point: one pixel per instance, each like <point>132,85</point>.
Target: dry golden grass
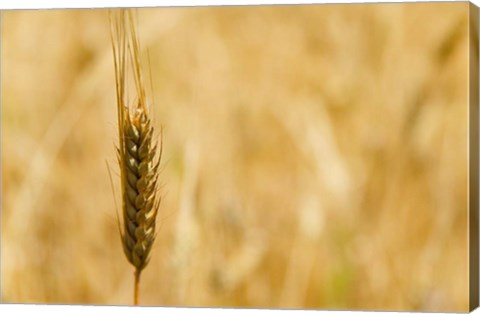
<point>315,157</point>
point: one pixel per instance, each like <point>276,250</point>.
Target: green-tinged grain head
<point>138,153</point>
<point>140,201</point>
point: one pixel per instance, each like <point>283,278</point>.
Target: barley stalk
<point>137,149</point>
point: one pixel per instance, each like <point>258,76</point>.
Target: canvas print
<point>283,157</point>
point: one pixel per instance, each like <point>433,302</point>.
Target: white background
<point>43,4</point>
<point>40,4</point>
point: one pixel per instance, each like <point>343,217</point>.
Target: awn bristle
<point>137,149</point>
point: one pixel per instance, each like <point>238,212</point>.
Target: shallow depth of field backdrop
<point>314,157</point>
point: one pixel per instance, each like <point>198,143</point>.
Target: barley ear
<point>138,154</point>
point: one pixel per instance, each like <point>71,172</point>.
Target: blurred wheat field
<point>314,157</point>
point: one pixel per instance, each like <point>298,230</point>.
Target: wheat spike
<point>137,150</point>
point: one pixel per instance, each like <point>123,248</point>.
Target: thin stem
<point>135,288</point>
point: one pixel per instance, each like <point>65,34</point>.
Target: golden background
<point>314,157</point>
